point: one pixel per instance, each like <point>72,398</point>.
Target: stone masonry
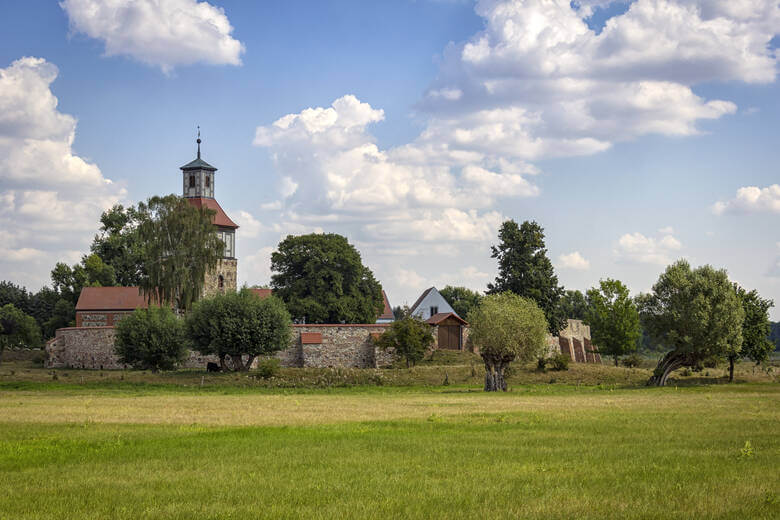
<point>310,346</point>
<point>228,269</point>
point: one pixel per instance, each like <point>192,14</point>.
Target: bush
<point>268,368</point>
<point>541,364</point>
<point>632,361</point>
<point>559,362</point>
<point>151,339</point>
<point>409,338</point>
<point>239,325</point>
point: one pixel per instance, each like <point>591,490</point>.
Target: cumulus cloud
<point>574,261</point>
<point>538,82</point>
<point>250,226</point>
<point>751,199</point>
<point>163,34</point>
<point>50,198</point>
<point>332,169</point>
<point>638,248</point>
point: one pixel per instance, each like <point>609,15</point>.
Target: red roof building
<point>105,306</point>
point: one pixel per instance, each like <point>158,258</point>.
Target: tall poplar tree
<point>756,329</point>
<point>179,246</point>
<point>524,269</point>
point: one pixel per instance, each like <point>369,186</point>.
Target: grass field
<point>131,449</point>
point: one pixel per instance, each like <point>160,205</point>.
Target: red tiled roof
<point>262,293</point>
<point>110,298</point>
<point>220,219</point>
<point>440,317</point>
<point>387,314</point>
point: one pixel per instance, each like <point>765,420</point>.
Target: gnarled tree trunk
<point>494,372</point>
<point>668,364</point>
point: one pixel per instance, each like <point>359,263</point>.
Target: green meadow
<point>128,450</point>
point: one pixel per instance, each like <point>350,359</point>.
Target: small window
<point>434,310</point>
<point>221,282</point>
<point>192,181</point>
<point>208,181</point>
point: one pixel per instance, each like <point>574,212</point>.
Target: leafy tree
<point>321,279</point>
<point>151,339</point>
<point>756,328</point>
<point>409,337</point>
<point>401,312</point>
<point>774,336</point>
<point>17,329</point>
<point>15,295</point>
<point>524,269</point>
<point>613,319</point>
<point>461,299</point>
<point>506,327</point>
<point>41,305</point>
<point>63,315</point>
<point>573,305</point>
<point>696,313</point>
<point>91,272</point>
<point>119,244</point>
<point>179,247</point>
<point>239,325</point>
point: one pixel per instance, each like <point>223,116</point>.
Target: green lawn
<point>544,451</point>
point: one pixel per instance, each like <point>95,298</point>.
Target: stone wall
<point>574,342</point>
<point>228,269</point>
<point>99,318</point>
<point>339,346</point>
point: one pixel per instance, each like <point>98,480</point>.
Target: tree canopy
<point>506,327</point>
<point>461,299</point>
<point>119,244</point>
<point>613,319</point>
<point>321,279</point>
<point>524,269</point>
<point>239,325</point>
<point>17,329</point>
<point>694,312</point>
<point>179,248</point>
<point>756,328</point>
<point>151,339</point>
<point>409,338</point>
<point>573,305</point>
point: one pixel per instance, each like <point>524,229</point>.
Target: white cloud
<point>410,279</point>
<point>51,199</point>
<point>250,226</point>
<point>538,82</point>
<point>574,261</point>
<point>255,268</point>
<point>160,33</point>
<point>638,248</point>
<point>751,199</point>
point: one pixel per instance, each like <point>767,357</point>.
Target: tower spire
<point>198,141</point>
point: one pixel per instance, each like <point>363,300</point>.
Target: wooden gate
<point>449,337</point>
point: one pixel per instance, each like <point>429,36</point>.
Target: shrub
<point>541,364</point>
<point>632,361</point>
<point>17,329</point>
<point>151,339</point>
<point>268,368</point>
<point>559,362</point>
<point>409,338</point>
<point>239,325</point>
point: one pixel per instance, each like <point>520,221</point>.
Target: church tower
<point>198,188</point>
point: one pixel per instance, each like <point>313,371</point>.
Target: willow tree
<point>179,246</point>
<point>505,328</point>
<point>695,312</point>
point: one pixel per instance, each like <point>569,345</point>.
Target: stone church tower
<point>198,188</point>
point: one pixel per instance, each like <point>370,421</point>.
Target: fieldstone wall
<point>574,342</point>
<point>341,346</point>
<point>228,269</point>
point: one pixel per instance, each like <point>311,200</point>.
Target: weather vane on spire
<point>198,141</point>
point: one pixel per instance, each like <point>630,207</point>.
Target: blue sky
<point>632,141</point>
